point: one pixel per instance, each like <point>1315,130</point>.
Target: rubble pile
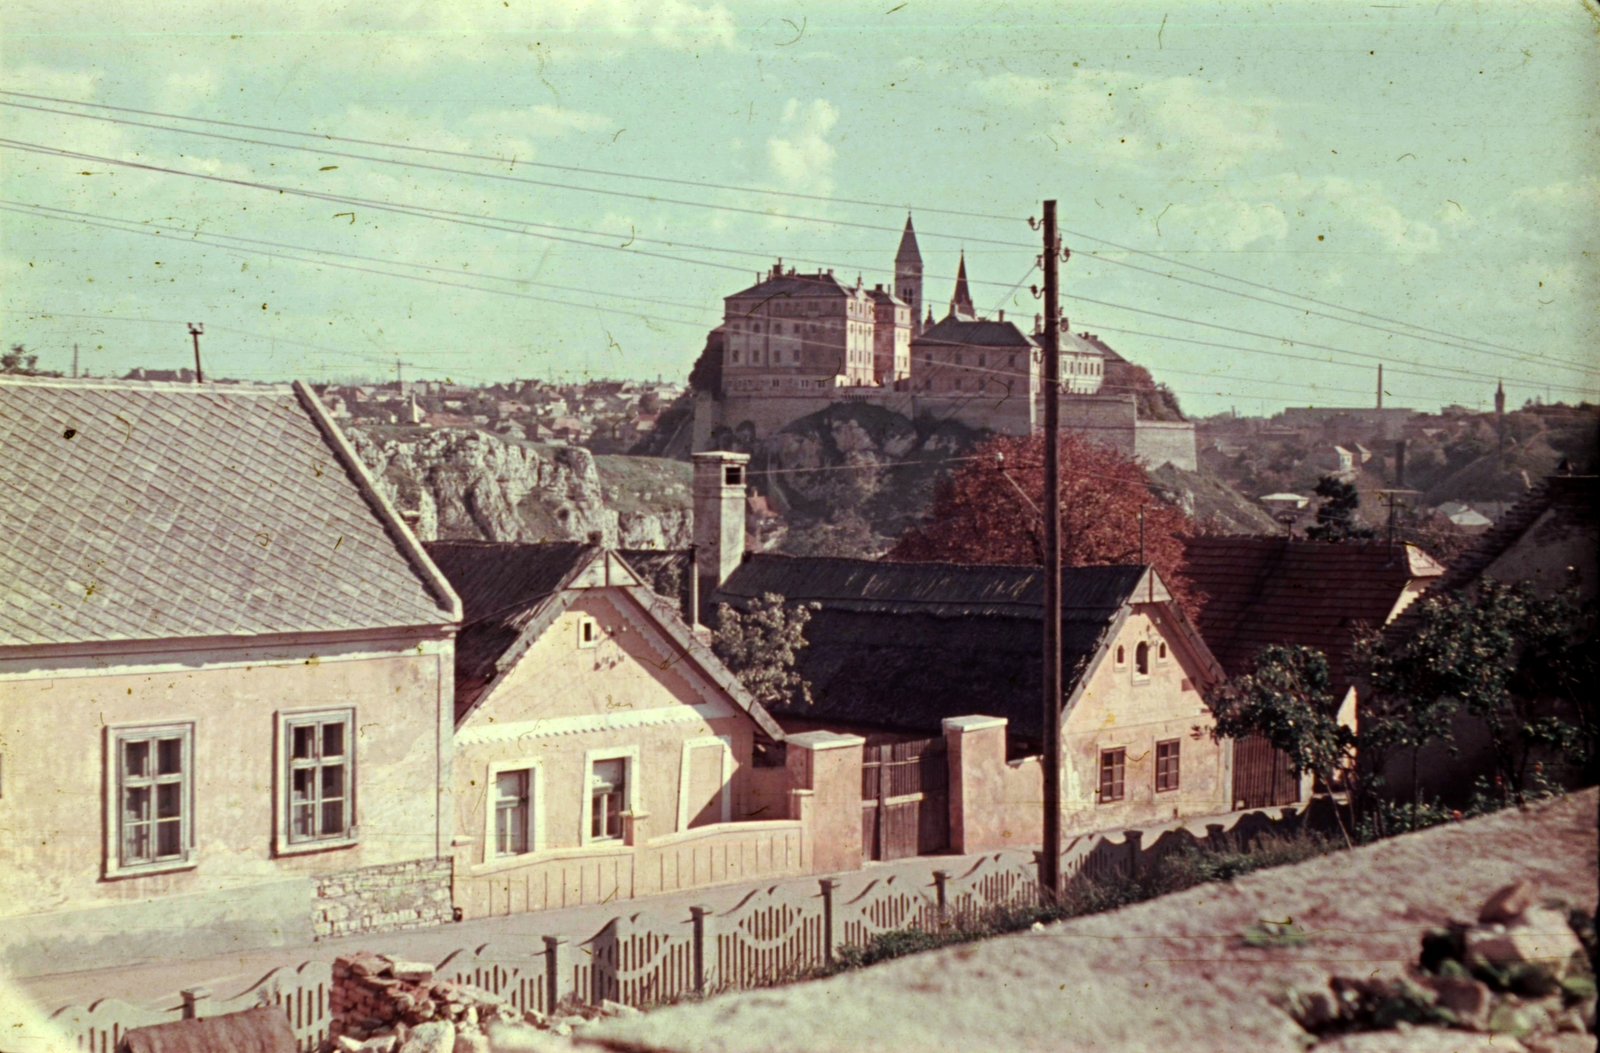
<point>384,1004</point>
<point>1523,969</point>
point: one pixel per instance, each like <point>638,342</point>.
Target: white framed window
<point>705,782</point>
<point>514,819</point>
<point>150,792</point>
<point>1141,661</point>
<point>316,766</point>
<point>588,631</point>
<point>610,788</point>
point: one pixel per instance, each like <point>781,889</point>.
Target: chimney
<point>719,507</point>
<point>1002,315</point>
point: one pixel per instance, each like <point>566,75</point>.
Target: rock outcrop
<point>469,484</point>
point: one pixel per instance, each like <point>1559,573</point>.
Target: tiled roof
<point>980,332</point>
<point>1572,497</point>
<point>791,285</point>
<point>513,592</point>
<point>504,587</point>
<point>907,644</point>
<point>1264,591</point>
<point>147,511</point>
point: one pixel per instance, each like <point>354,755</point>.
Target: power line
<point>439,214</point>
<point>1455,342</point>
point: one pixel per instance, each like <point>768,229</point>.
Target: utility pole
<point>1050,860</point>
<point>1380,385</point>
<point>74,360</point>
<point>195,329</point>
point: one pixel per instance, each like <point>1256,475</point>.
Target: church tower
<point>908,276</point>
<point>961,303</point>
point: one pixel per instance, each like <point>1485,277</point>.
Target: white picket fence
<point>647,957</point>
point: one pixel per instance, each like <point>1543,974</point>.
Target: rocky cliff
<point>471,484</point>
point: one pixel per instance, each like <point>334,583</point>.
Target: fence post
<point>195,1001</point>
<point>1135,837</point>
<point>558,982</point>
<point>939,879</point>
<point>1038,882</point>
<point>699,945</point>
<point>829,935</point>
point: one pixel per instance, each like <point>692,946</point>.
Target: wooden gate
<point>1262,777</point>
<point>905,799</point>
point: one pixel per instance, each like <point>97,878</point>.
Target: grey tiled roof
<point>144,511</point>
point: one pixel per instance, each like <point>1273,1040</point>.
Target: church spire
<point>908,245</point>
<point>961,302</point>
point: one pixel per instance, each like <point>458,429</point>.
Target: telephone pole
<point>1050,859</point>
<point>74,360</point>
<point>195,329</point>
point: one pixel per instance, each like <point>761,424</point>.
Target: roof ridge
<point>394,526</point>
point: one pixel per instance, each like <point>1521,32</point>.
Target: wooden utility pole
<point>195,329</point>
<point>74,359</point>
<point>1050,860</point>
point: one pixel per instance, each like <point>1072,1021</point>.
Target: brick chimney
<point>719,507</point>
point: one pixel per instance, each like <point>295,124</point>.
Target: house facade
<point>601,751</point>
<point>904,650</point>
<point>225,680</point>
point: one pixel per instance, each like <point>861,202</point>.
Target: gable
<point>632,674</point>
<point>1114,694</point>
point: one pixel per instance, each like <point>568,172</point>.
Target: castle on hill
<point>792,344</point>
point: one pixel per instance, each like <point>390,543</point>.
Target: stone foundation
<point>386,898</point>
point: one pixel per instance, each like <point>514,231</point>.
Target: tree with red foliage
<point>988,511</point>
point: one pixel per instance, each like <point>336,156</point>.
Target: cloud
<point>1122,119</point>
<point>801,158</point>
<point>1289,207</point>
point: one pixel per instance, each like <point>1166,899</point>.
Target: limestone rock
<point>437,1036</point>
<point>1468,999</point>
<point>471,1040</point>
<point>1507,904</point>
<point>414,972</point>
<point>610,1008</point>
<point>1538,936</point>
<point>349,1044</point>
<point>380,1044</point>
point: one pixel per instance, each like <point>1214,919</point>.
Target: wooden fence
<point>773,934</point>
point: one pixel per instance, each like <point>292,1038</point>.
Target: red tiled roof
<point>1264,591</point>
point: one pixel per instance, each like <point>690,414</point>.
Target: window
<point>607,798</point>
<point>512,812</point>
<point>1113,765</point>
<point>318,766</point>
<point>1122,656</point>
<point>1161,652</point>
<point>1141,659</point>
<point>1167,765</point>
<point>588,631</point>
<point>154,797</point>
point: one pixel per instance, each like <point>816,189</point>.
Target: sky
<point>1262,200</point>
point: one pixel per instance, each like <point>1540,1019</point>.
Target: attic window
<point>733,475</point>
<point>588,632</point>
<point>1161,652</point>
<point>1122,656</point>
<point>1141,659</point>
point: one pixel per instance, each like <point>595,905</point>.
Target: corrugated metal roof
<point>143,511</point>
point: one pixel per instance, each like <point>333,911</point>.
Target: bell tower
<point>908,275</point>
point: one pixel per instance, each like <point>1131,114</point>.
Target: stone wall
<point>1159,442</point>
<point>388,898</point>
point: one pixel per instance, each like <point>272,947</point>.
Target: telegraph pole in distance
<point>1050,860</point>
<point>195,329</point>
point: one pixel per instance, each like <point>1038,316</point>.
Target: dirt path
<point>1170,975</point>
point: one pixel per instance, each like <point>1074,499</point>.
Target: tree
<point>1336,516</point>
<point>17,360</point>
<point>761,646</point>
<point>1287,698</point>
<point>989,511</point>
<point>1522,664</point>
